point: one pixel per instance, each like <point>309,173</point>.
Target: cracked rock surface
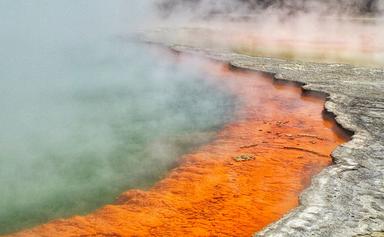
<point>347,198</point>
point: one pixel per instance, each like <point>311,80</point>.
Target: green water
<point>86,116</point>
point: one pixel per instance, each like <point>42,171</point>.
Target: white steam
<point>330,31</point>
<point>86,115</point>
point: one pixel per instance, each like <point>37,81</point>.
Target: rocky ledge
<point>347,198</point>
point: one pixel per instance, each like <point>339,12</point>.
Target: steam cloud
<point>331,31</point>
<point>85,115</point>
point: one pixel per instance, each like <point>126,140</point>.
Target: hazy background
<point>85,115</point>
<point>210,8</point>
<point>331,31</point>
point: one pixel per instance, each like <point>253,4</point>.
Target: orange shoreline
<point>248,177</point>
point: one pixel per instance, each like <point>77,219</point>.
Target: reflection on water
<point>85,116</point>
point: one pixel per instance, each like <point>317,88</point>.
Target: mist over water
<point>84,115</point>
<point>326,31</point>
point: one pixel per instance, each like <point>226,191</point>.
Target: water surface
<point>84,115</point>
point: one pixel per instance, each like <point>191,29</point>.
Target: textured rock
<point>374,234</point>
<point>347,198</point>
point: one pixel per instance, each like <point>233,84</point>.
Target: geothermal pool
<point>247,177</point>
<point>177,145</point>
<point>86,116</point>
